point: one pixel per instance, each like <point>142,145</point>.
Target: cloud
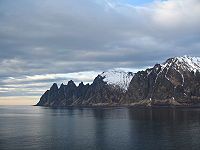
<point>48,41</point>
<point>37,84</point>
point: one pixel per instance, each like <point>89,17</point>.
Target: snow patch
<point>118,78</point>
<point>189,63</point>
<point>184,63</point>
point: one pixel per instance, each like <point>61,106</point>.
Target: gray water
<point>29,127</point>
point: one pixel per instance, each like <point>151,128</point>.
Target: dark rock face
<point>44,99</point>
<point>171,80</point>
<point>176,81</point>
<point>71,95</point>
<point>53,95</point>
<point>101,92</point>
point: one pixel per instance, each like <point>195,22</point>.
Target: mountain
<point>107,88</point>
<point>174,82</point>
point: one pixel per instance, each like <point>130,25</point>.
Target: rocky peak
<point>62,86</point>
<point>81,84</point>
<point>130,73</point>
<point>184,63</point>
<point>53,94</point>
<point>176,70</point>
<point>71,84</point>
<point>54,87</point>
<point>98,80</point>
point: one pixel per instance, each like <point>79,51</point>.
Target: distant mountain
<point>174,82</point>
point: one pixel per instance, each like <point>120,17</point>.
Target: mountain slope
<point>178,78</point>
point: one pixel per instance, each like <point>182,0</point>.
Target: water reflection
<point>99,128</point>
<point>165,128</point>
<point>165,115</point>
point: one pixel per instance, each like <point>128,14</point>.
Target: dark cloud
<point>39,37</point>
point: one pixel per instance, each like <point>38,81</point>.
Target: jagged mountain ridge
<point>108,87</point>
<point>177,79</point>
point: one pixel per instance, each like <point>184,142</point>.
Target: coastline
<point>135,105</point>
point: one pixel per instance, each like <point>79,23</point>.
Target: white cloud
<point>177,13</point>
<point>80,76</point>
<point>37,84</point>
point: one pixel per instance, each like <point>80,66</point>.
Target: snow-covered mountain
<point>184,63</point>
<point>117,78</point>
<point>179,65</point>
<point>178,78</point>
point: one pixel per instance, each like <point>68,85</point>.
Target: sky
<point>47,41</point>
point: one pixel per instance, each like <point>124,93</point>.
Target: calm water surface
<point>29,127</point>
